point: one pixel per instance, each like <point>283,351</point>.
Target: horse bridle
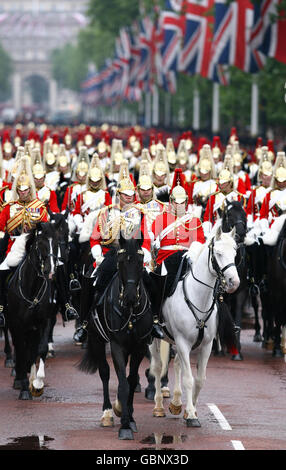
<point>129,281</point>
<point>220,271</point>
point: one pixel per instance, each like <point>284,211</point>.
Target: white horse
<point>192,316</point>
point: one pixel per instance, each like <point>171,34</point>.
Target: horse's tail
<point>93,353</point>
<point>165,356</point>
<point>226,327</point>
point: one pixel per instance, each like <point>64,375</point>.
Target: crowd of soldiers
<point>174,188</point>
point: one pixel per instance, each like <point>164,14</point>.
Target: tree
<point>6,70</point>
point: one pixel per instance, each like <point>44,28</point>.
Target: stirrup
<point>70,313</point>
<point>81,332</point>
<point>74,284</point>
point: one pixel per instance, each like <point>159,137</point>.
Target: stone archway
<point>38,73</point>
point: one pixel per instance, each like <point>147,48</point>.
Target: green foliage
<point>6,70</point>
<point>69,66</point>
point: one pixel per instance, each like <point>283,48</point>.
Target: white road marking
<point>238,445</point>
<point>219,416</point>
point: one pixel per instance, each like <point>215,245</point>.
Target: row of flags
<point>194,37</point>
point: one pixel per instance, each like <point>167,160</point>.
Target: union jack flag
<point>197,36</point>
<point>268,36</point>
<point>232,29</point>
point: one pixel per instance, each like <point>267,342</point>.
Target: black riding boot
<point>3,299</point>
<point>154,286</point>
<point>67,310</point>
<point>74,248</point>
<point>88,296</point>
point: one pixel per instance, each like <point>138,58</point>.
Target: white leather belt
<point>174,247</point>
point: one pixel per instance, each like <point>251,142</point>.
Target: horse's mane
<point>30,239</point>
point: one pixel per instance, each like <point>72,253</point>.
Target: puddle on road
<point>27,443</point>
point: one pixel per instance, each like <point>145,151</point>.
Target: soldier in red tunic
<point>173,233</point>
<point>19,216</point>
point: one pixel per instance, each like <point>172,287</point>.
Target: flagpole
<point>155,109</point>
<point>196,109</point>
<point>215,110</point>
<point>254,107</point>
<point>148,109</point>
<point>167,109</point>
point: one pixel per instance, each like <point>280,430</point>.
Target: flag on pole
<point>269,30</point>
<point>231,39</point>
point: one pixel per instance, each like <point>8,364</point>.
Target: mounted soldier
<point>44,194</point>
<point>206,181</point>
<point>18,217</point>
<point>112,219</point>
<point>173,232</point>
<point>78,186</point>
<point>216,201</point>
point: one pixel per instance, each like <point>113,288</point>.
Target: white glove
<point>207,228</point>
<point>2,234</point>
<point>147,257</point>
<point>249,221</point>
<point>78,221</point>
<point>96,252</point>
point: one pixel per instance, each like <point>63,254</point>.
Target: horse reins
<point>218,291</point>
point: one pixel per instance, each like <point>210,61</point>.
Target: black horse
<point>29,296</point>
<point>276,288</point>
<point>125,320</point>
<point>234,215</point>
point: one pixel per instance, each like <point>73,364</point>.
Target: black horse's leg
<point>52,323</point>
<point>21,367</point>
<point>104,372</point>
<point>277,352</point>
<point>257,328</point>
<point>119,358</point>
<point>9,361</point>
<point>135,361</point>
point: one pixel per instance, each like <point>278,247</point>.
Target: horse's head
<point>130,267</point>
<point>234,215</point>
<point>61,234</point>
<point>223,253</point>
<point>42,248</point>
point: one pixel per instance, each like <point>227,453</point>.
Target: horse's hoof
<point>149,394</point>
<point>36,392</point>
<point>25,395</point>
<point>9,363</point>
<point>175,409</point>
<point>159,413</point>
<point>257,338</point>
<point>51,354</point>
<point>277,353</point>
<point>237,357</point>
<point>17,384</point>
<point>125,434</point>
<point>165,392</point>
<point>193,423</point>
<point>138,388</point>
<point>107,422</point>
<point>117,409</point>
<point>13,372</point>
<point>133,426</point>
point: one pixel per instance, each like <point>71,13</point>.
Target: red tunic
<point>176,233</point>
<point>16,217</point>
<point>107,219</point>
<point>215,201</point>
